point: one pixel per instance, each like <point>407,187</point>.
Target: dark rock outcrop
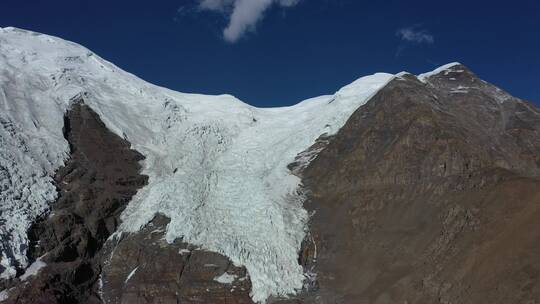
<point>143,268</point>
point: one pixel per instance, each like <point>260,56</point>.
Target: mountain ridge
<point>429,196</point>
<point>205,152</point>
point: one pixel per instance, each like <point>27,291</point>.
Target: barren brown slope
<point>430,194</point>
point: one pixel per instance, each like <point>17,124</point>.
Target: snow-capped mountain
<point>217,166</point>
<point>219,169</point>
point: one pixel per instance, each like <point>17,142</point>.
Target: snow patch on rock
<point>4,295</point>
<point>423,77</point>
<point>225,278</point>
<point>184,251</point>
<point>130,274</point>
<point>33,269</point>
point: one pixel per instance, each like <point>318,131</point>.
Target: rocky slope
<point>430,194</point>
<point>418,189</point>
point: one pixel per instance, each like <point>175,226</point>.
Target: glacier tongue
<point>217,166</point>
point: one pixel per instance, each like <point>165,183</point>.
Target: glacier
<point>217,166</point>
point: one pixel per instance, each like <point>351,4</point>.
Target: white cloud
<point>243,14</point>
<point>415,34</point>
<point>215,5</point>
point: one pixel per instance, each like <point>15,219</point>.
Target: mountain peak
<point>453,66</point>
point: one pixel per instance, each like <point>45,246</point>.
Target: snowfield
<point>217,166</point>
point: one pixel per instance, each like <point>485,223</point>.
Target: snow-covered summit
<point>217,166</point>
<point>423,77</point>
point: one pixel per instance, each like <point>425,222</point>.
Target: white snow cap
<point>423,77</point>
<point>217,166</point>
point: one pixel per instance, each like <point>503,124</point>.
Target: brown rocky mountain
<point>430,193</point>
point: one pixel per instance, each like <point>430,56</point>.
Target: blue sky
<point>278,52</point>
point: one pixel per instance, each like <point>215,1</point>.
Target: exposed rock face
<point>94,186</point>
<point>430,194</point>
<point>143,268</point>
